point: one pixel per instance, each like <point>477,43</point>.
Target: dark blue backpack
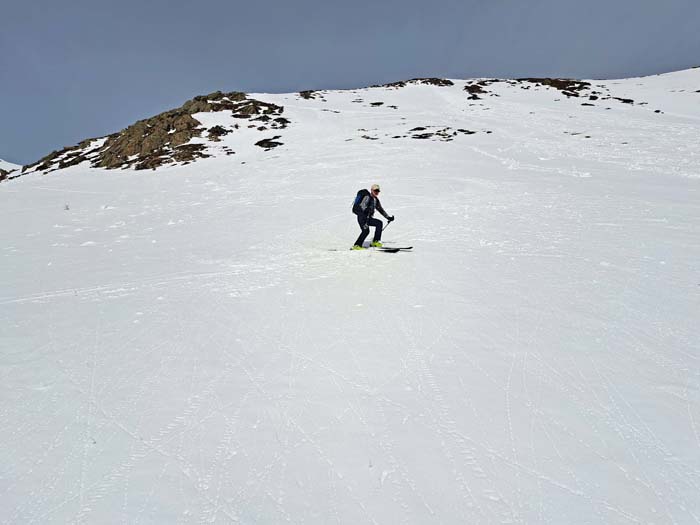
<point>358,199</point>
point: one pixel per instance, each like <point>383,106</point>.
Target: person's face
<point>375,193</point>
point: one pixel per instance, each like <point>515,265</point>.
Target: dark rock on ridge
<point>441,82</point>
<point>478,87</point>
<point>570,88</point>
<point>309,94</point>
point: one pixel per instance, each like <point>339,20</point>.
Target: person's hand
<point>365,226</point>
<point>390,218</point>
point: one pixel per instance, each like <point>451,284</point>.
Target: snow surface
<point>8,166</point>
<point>196,344</point>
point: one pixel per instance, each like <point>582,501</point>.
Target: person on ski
<point>365,204</point>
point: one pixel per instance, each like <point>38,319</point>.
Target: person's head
<point>375,190</point>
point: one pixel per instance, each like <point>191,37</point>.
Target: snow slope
<point>8,166</point>
<point>196,344</point>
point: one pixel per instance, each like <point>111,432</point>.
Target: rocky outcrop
<point>163,139</point>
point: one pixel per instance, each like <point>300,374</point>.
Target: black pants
<point>378,225</point>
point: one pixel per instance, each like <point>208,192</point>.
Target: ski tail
<point>399,248</point>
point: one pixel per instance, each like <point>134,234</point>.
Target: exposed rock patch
<point>478,87</point>
<point>217,132</point>
<point>440,82</point>
<point>435,133</point>
<point>251,107</point>
<point>570,88</point>
<point>268,144</point>
<point>276,123</point>
<point>312,95</point>
<point>474,91</point>
<point>443,134</point>
<point>309,95</point>
<point>446,134</point>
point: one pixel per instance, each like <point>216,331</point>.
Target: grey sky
<point>84,68</point>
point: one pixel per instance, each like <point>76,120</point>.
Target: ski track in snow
<point>183,347</point>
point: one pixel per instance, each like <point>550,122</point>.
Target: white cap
<point>375,187</point>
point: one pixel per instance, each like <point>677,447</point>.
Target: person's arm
<point>380,209</point>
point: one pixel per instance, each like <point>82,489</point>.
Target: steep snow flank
<point>8,166</point>
<point>197,343</point>
<point>676,94</point>
<point>8,170</point>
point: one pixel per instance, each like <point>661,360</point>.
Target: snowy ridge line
<point>175,137</point>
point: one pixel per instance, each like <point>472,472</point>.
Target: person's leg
<point>378,227</point>
<point>363,234</point>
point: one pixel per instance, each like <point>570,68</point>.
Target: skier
<point>365,204</point>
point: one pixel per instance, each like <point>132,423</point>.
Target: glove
<point>365,226</point>
<point>390,218</point>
